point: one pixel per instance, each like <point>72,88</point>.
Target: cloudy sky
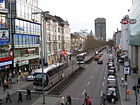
<point>82,13</point>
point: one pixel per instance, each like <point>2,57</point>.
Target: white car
<point>111,79</point>
<point>30,77</point>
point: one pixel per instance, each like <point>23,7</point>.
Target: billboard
<point>4,36</point>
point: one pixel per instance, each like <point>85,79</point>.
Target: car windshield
<point>111,77</point>
<point>110,90</point>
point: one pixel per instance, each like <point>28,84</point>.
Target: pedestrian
<point>112,98</point>
<point>88,102</point>
<point>138,85</point>
<point>8,97</point>
<point>0,101</point>
<point>103,99</point>
<point>85,98</point>
<point>62,100</point>
<point>68,100</point>
<point>19,97</point>
<point>28,94</point>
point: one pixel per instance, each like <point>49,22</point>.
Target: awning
<point>64,53</point>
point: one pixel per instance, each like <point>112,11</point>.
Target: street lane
<point>90,81</point>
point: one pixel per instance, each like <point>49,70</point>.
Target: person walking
<point>138,85</point>
<point>28,94</point>
<point>103,99</point>
<point>8,97</point>
<point>85,98</point>
<point>87,101</point>
<point>19,97</point>
<point>112,98</point>
<point>62,101</point>
<point>68,100</point>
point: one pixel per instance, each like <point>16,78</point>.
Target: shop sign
<point>3,10</point>
<point>5,63</point>
<point>124,21</point>
<point>1,1</point>
<point>6,59</point>
<point>4,36</point>
<point>20,63</point>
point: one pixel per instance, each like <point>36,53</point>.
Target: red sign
<point>6,59</point>
<point>124,21</point>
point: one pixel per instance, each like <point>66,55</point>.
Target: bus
<point>81,58</point>
<point>52,75</point>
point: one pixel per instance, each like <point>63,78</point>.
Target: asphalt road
<point>92,81</point>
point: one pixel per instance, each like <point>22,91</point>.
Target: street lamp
<point>41,45</point>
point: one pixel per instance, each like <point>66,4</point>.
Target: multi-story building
<point>100,28</point>
<point>77,43</point>
<point>5,51</point>
<point>117,38</point>
<point>24,33</point>
<point>58,39</point>
<point>124,35</point>
<point>134,40</point>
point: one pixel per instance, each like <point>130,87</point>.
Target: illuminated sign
<point>4,36</point>
<point>124,21</point>
<point>5,63</point>
<point>6,59</point>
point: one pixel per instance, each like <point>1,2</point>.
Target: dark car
<point>112,72</point>
<point>110,64</point>
<point>112,92</point>
<point>100,61</point>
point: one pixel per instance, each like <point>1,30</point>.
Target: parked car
<point>111,72</point>
<point>111,64</point>
<point>30,77</point>
<point>110,91</point>
<point>100,61</point>
<point>111,79</point>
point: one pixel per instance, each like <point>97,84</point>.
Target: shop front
<point>5,70</point>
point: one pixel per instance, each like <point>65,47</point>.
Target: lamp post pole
<point>42,64</point>
<point>41,52</point>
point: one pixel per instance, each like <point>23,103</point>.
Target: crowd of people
<point>19,96</point>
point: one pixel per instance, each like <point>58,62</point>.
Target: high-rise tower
<point>100,28</point>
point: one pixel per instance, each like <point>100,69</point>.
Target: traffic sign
<point>126,63</point>
<point>126,70</point>
<point>132,21</point>
<point>124,21</point>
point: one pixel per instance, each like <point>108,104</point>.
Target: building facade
<point>134,40</point>
<point>124,35</point>
<point>5,51</point>
<point>24,33</point>
<point>58,39</point>
<point>100,28</point>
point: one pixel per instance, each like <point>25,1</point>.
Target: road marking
<point>88,83</point>
<point>104,77</point>
<point>103,84</point>
<point>91,76</point>
<point>83,92</point>
<point>101,93</point>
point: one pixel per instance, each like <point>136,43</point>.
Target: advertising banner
<point>4,36</point>
<point>1,1</point>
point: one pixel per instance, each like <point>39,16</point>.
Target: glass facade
<point>134,13</point>
<point>25,31</point>
<point>25,8</point>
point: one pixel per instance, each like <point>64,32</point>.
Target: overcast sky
<point>81,13</point>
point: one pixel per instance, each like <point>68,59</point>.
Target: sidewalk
<point>14,88</point>
<point>131,80</point>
